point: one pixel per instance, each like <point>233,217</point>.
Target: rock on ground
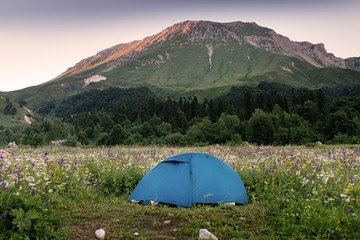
<point>205,234</point>
<point>100,234</point>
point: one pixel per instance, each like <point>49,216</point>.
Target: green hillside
<point>179,67</point>
<point>12,115</point>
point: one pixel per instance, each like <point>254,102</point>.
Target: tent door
<point>176,184</point>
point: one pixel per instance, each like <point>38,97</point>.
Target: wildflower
<point>326,179</point>
<point>314,192</point>
<point>304,181</point>
<point>349,211</point>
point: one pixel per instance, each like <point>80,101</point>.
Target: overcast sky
<point>40,39</point>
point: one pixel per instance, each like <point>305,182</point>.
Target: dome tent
<point>190,178</point>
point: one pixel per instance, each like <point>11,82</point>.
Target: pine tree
<point>321,105</point>
<point>212,114</point>
<point>294,98</point>
<point>194,108</point>
<point>247,104</point>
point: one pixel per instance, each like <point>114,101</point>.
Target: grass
<point>69,193</point>
<point>12,121</point>
<point>121,220</point>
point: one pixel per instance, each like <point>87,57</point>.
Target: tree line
<point>266,115</point>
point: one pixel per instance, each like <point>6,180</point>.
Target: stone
<point>100,233</point>
<point>205,234</point>
<point>12,145</point>
<point>58,143</point>
<point>167,222</point>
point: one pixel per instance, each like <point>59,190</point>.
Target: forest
<point>269,114</point>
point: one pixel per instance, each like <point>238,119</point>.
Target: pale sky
<point>40,39</point>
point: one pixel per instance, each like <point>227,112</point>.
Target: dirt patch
<point>287,69</point>
<point>120,225</point>
<point>29,111</point>
<point>27,119</point>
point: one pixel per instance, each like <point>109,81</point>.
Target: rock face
<point>314,54</point>
<point>353,63</point>
<point>93,79</point>
<point>210,32</point>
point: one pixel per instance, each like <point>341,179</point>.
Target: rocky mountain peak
<point>209,32</point>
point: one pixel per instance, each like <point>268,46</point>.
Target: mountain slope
<point>193,31</point>
<point>13,114</point>
<point>200,58</point>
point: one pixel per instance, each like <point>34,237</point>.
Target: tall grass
<point>293,192</point>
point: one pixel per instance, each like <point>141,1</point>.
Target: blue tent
<point>191,178</point>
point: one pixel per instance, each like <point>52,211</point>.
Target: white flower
<point>326,179</point>
<point>50,190</point>
<point>304,181</point>
<point>30,179</point>
<point>314,192</point>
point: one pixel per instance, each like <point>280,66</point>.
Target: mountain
<point>200,58</point>
<point>210,32</point>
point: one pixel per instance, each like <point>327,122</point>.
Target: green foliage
<point>115,182</point>
<point>175,139</point>
<point>312,116</point>
<point>83,138</point>
<point>60,129</point>
<point>236,140</point>
<point>27,217</point>
<point>117,135</point>
<point>260,128</point>
<point>200,133</point>
<point>9,109</point>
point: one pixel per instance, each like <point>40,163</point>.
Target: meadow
<point>68,193</point>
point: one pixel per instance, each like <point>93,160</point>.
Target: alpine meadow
<point>284,115</point>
